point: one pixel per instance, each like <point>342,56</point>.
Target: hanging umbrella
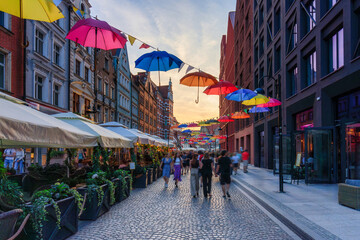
<point>182,126</point>
<point>225,118</point>
<point>96,34</point>
<point>193,125</point>
<point>198,79</point>
<point>271,103</point>
<point>158,61</point>
<point>174,126</point>
<point>258,99</point>
<point>212,121</point>
<point>222,87</point>
<point>240,115</point>
<point>204,124</point>
<point>186,131</point>
<point>241,95</point>
<point>259,110</point>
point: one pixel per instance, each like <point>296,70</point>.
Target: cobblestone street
<point>159,213</point>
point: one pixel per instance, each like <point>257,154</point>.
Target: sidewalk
<point>312,207</point>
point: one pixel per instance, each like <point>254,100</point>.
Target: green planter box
<point>150,175</point>
<point>155,173</point>
<point>140,181</point>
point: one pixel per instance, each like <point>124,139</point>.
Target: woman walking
<point>207,168</point>
<point>178,165</point>
<point>194,179</point>
<point>166,163</point>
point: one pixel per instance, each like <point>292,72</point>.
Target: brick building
<point>165,111</point>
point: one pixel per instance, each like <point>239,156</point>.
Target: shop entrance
<point>353,151</point>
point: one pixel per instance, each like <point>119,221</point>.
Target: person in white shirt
<point>9,155</point>
<point>235,162</point>
<point>19,161</point>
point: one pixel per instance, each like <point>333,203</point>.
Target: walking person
<point>183,157</point>
<point>245,158</point>
<point>194,178</point>
<point>207,168</point>
<point>9,154</point>
<point>235,162</point>
<point>224,168</point>
<point>166,163</point>
<point>178,166</point>
<point>200,158</point>
<point>19,161</point>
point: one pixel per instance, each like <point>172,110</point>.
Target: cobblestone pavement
<point>159,213</point>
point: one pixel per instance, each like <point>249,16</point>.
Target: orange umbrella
<point>240,115</point>
<point>198,79</point>
<point>174,126</point>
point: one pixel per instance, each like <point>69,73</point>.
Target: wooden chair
<point>8,222</point>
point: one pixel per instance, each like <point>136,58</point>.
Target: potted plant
<point>100,195</point>
<point>140,177</point>
<point>54,213</point>
<point>122,188</point>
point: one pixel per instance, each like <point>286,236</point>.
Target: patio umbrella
<point>193,125</point>
<point>106,138</point>
<point>222,87</point>
<point>198,79</point>
<point>158,61</point>
<point>182,126</point>
<point>24,126</point>
<point>240,115</point>
<point>258,99</point>
<point>271,103</point>
<point>121,130</point>
<point>259,110</point>
<point>241,95</point>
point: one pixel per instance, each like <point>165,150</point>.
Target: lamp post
<point>278,96</point>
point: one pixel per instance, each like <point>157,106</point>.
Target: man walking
<point>224,168</point>
<point>245,158</point>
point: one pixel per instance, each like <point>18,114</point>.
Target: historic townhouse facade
<point>165,114</point>
<point>11,56</point>
<point>134,122</point>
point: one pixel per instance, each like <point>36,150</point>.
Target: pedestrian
<point>224,168</point>
<point>200,158</point>
<point>207,168</point>
<point>245,159</point>
<point>235,162</point>
<point>178,165</point>
<point>194,178</point>
<point>166,163</point>
<point>19,160</point>
<point>9,154</point>
<point>189,156</point>
<point>183,158</point>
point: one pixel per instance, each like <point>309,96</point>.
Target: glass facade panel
<point>353,151</point>
<point>336,51</point>
<point>310,69</point>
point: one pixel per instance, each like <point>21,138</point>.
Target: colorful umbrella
<point>204,124</point>
<point>202,135</point>
<point>186,131</point>
<point>193,125</point>
<point>182,126</point>
<point>241,95</point>
<point>198,79</point>
<point>158,61</point>
<point>222,87</point>
<point>174,126</point>
<point>259,110</point>
<point>271,103</point>
<point>96,34</point>
<point>212,121</point>
<point>225,119</point>
<point>240,115</point>
<point>258,99</point>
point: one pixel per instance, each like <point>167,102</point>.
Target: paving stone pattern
<point>159,213</point>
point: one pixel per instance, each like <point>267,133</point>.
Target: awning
<point>121,130</point>
<point>145,139</point>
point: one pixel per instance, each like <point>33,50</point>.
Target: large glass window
<point>292,81</point>
<point>277,21</point>
<point>311,11</point>
<point>2,71</point>
<point>39,42</point>
<point>2,19</point>
<point>336,51</point>
<point>310,69</point>
<point>39,81</point>
<point>292,36</point>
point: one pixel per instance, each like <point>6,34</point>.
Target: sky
<point>189,29</point>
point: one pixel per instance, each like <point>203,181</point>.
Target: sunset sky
<point>189,29</point>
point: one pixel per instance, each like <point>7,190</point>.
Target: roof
<point>164,91</point>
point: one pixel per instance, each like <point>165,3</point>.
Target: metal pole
<point>227,137</point>
<point>281,177</point>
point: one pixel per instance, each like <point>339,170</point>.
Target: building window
<point>269,33</point>
<point>277,21</point>
<point>106,89</point>
<point>261,15</point>
<point>277,59</point>
<point>99,113</point>
<point>77,67</point>
<point>292,81</point>
<point>99,85</point>
<point>57,50</point>
<point>76,103</point>
<point>39,42</point>
<point>269,65</point>
<point>256,26</point>
<point>311,11</point>
<point>4,20</point>
<point>2,71</point>
<point>56,93</point>
<point>39,81</point>
<point>112,93</point>
<point>261,46</point>
<point>256,54</point>
<point>292,36</point>
<point>106,115</point>
<point>310,69</point>
<point>289,3</point>
<point>336,51</point>
<point>106,64</point>
<point>87,74</point>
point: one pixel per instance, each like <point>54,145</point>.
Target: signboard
<point>132,165</point>
<point>298,159</point>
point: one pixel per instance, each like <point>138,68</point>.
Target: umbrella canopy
<point>193,125</point>
<point>144,139</point>
<point>258,99</point>
<point>198,79</point>
<point>222,87</point>
<point>106,138</point>
<point>182,126</point>
<point>24,126</point>
<point>158,61</point>
<point>240,115</point>
<point>121,130</point>
<point>225,119</point>
<point>259,110</point>
<point>271,103</point>
<point>241,95</point>
<point>39,10</point>
<point>96,34</point>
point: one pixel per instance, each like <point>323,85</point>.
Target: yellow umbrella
<point>40,10</point>
<point>258,99</point>
<point>204,124</point>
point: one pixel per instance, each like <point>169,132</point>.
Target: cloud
<point>189,29</point>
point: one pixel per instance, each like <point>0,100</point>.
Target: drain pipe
<point>69,60</point>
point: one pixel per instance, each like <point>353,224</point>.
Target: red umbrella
<point>240,115</point>
<point>193,125</point>
<point>271,103</point>
<point>222,87</point>
<point>225,119</point>
<point>96,34</point>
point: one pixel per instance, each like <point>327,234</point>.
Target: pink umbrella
<point>271,103</point>
<point>96,34</point>
<point>193,125</point>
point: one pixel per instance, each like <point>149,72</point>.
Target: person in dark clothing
<point>224,168</point>
<point>207,168</point>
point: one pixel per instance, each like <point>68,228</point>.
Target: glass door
<point>353,151</point>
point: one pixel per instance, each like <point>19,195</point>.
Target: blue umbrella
<point>158,61</point>
<point>182,126</point>
<point>206,138</point>
<point>241,95</point>
<point>259,110</point>
<point>186,131</point>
